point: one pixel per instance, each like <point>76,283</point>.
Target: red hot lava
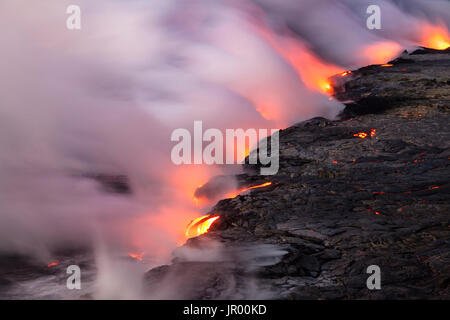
<point>53,264</point>
<point>200,225</point>
<point>238,192</point>
<point>364,135</point>
<point>361,135</point>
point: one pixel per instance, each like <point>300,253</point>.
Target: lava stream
<point>200,225</point>
<point>236,193</point>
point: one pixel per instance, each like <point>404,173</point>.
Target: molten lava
<point>200,225</point>
<point>361,135</point>
<point>364,135</point>
<point>234,194</point>
<point>315,74</point>
<point>257,186</point>
<point>52,264</point>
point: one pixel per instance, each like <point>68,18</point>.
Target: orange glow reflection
<point>435,37</point>
<point>380,52</point>
<point>313,71</point>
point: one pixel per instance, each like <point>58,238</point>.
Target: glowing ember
<point>376,212</point>
<point>364,135</point>
<point>386,65</point>
<point>200,226</point>
<point>52,264</point>
<point>345,73</point>
<point>361,135</point>
<point>137,256</point>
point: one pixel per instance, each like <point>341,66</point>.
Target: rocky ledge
<point>369,189</point>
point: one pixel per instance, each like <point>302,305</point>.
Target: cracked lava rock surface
<point>340,201</point>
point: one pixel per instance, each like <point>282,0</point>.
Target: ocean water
<point>113,277</point>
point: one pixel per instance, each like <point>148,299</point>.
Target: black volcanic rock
<point>414,80</point>
<point>341,203</point>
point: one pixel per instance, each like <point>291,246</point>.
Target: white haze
<point>105,99</point>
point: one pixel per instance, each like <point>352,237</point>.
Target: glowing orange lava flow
<point>52,264</point>
<point>364,135</point>
<point>200,226</point>
<point>137,256</point>
<point>236,193</point>
<point>361,135</point>
<point>257,186</point>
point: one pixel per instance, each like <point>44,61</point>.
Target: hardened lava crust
<point>371,188</point>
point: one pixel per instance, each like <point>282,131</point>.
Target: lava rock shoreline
<point>369,189</point>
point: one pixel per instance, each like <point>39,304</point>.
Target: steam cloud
<point>106,98</point>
